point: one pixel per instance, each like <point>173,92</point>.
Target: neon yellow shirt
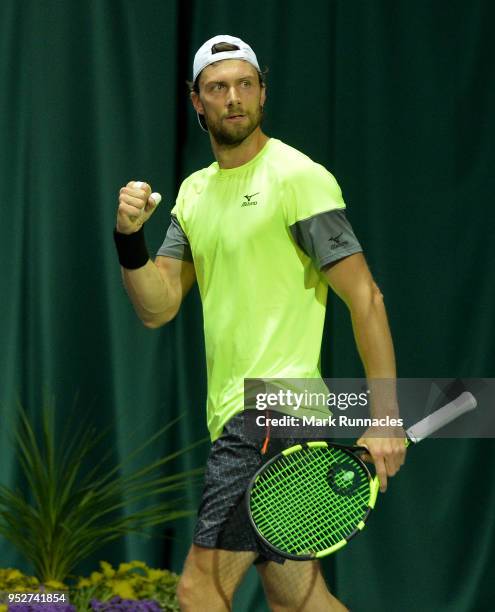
<point>263,299</point>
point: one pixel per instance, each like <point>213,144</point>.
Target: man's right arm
<point>156,289</point>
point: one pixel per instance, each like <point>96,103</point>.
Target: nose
<point>233,96</point>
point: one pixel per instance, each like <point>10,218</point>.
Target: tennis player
<point>263,230</point>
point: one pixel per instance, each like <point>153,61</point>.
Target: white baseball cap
<point>205,56</point>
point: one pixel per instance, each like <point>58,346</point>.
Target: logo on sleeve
<point>337,242</point>
<point>248,201</point>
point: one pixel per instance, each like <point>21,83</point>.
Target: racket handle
<point>441,417</point>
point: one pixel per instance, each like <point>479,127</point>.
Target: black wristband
<point>131,249</point>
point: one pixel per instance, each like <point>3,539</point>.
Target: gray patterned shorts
<point>222,516</point>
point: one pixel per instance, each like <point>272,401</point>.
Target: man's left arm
<point>351,280</point>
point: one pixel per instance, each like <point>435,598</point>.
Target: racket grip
<point>441,417</point>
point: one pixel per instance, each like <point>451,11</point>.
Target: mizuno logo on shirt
<point>248,201</point>
<point>337,242</point>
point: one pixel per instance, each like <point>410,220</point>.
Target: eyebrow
<point>221,81</point>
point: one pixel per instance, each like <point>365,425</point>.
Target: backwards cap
<point>205,55</point>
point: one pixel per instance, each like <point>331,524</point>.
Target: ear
<point>263,96</point>
<point>196,102</point>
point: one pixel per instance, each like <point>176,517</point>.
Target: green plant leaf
<point>73,505</point>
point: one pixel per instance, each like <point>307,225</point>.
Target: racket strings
<point>303,520</point>
<point>297,495</point>
<point>342,521</point>
<point>318,536</point>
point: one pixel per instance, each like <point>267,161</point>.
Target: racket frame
<point>424,428</point>
<point>348,450</point>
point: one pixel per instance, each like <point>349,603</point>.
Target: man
<point>263,231</point>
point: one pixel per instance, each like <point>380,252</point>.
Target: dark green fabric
<point>394,98</point>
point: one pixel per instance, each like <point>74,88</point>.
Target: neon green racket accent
<point>317,444</point>
<point>306,504</point>
<point>292,449</point>
<point>374,488</point>
<point>332,549</point>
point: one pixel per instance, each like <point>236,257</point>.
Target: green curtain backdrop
<point>394,97</point>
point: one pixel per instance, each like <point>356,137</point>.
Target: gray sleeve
<point>176,244</point>
<point>326,237</point>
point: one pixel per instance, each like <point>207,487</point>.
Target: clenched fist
<point>136,205</point>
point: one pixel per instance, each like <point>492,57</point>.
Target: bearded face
<point>235,127</point>
<point>231,101</point>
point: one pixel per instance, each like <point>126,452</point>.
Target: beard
<point>232,135</point>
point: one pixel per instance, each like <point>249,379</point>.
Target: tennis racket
<point>308,501</point>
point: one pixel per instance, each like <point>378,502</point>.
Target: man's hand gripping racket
<point>311,499</point>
